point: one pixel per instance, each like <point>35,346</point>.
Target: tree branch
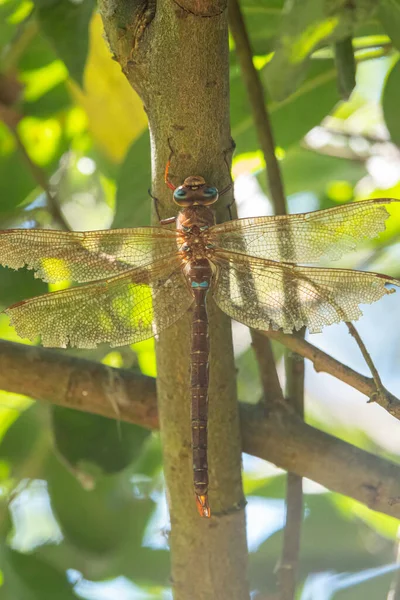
<point>176,55</point>
<point>280,437</point>
<point>327,364</point>
<point>256,95</point>
<point>294,364</point>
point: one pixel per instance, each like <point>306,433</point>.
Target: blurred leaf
<point>85,438</point>
<point>389,15</point>
<point>16,181</point>
<point>346,66</point>
<point>307,171</point>
<point>66,24</point>
<point>306,26</point>
<point>376,586</point>
<point>100,520</point>
<point>42,139</point>
<point>53,101</point>
<point>133,206</point>
<point>390,103</point>
<point>21,444</point>
<point>8,24</point>
<point>38,53</point>
<point>18,285</point>
<point>291,118</point>
<point>114,110</point>
<point>28,577</point>
<point>330,541</point>
<point>263,21</point>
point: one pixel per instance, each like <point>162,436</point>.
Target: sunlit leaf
<point>66,25</point>
<point>292,118</point>
<point>389,14</point>
<point>133,205</point>
<point>306,26</point>
<point>16,181</point>
<point>390,103</point>
<point>115,112</point>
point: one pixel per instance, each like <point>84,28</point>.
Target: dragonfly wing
<point>84,256</point>
<point>122,310</point>
<point>305,237</point>
<point>264,294</point>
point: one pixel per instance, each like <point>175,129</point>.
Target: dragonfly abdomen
<point>199,275</point>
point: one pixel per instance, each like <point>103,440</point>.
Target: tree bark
<point>175,55</point>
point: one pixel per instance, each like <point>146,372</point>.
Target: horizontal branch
<point>281,437</point>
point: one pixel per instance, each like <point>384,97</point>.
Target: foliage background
<point>82,506</point>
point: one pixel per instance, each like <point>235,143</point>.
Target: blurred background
<point>82,501</point>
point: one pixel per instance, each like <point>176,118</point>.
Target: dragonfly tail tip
<point>202,505</point>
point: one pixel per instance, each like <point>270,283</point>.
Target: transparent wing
<point>122,310</point>
<point>84,256</point>
<point>305,237</point>
<point>264,294</point>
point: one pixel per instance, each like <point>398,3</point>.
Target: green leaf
<point>16,181</point>
<point>389,15</point>
<point>292,118</point>
<point>52,102</point>
<point>28,577</point>
<point>18,285</point>
<point>307,171</point>
<point>263,20</point>
<point>390,103</point>
<point>133,205</point>
<point>307,26</point>
<point>66,24</point>
<point>322,521</point>
<point>85,438</point>
<point>346,66</point>
<point>22,440</point>
<point>101,519</point>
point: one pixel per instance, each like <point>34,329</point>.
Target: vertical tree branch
<point>176,57</point>
<point>294,363</point>
<point>258,105</point>
<point>394,591</point>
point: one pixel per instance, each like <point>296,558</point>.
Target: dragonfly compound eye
<point>210,192</point>
<point>180,194</point>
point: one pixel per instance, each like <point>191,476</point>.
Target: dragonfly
<point>140,281</point>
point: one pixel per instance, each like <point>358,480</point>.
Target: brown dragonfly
<point>145,279</point>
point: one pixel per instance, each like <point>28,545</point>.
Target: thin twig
<point>323,362</point>
<point>394,592</point>
<point>271,386</point>
<point>294,365</point>
<point>380,390</point>
<point>288,565</point>
<point>40,177</point>
<point>258,103</point>
<point>270,381</point>
<point>11,118</point>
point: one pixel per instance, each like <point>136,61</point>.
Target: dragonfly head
<point>195,192</point>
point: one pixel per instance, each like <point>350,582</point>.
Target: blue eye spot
<point>180,193</point>
<point>210,191</point>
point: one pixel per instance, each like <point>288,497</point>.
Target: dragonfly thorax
<point>194,238</point>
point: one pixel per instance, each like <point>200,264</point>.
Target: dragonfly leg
<point>229,207</point>
<point>156,208</point>
<point>156,204</point>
